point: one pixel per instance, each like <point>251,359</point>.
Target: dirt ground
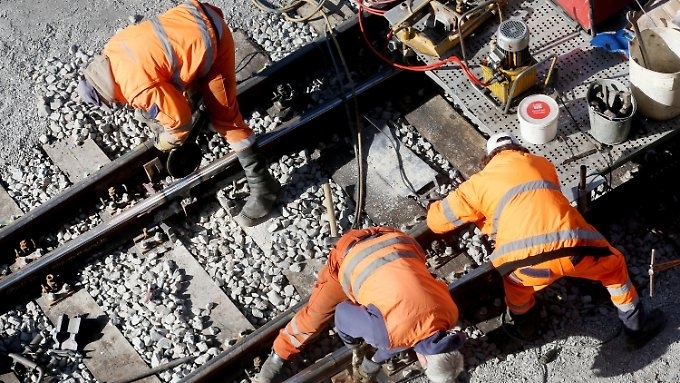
<point>31,31</point>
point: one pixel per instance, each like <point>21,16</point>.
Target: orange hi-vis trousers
<point>611,270</point>
<point>313,318</point>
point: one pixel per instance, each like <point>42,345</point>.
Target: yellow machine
<point>433,27</point>
<point>509,66</point>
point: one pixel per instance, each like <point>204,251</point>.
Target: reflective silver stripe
<point>217,22</point>
<point>375,265</point>
<point>205,35</point>
<point>542,239</point>
<point>363,254</point>
<point>243,144</point>
<point>450,215</point>
<point>535,273</point>
<point>292,337</point>
<point>169,52</point>
<point>615,291</point>
<point>628,306</point>
<point>525,187</point>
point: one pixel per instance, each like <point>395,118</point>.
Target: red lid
<point>538,109</point>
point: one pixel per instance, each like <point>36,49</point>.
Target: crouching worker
<point>377,285</point>
<point>539,236</point>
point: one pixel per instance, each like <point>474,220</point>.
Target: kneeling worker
<point>377,284</point>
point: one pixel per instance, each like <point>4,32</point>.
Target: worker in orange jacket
<point>377,284</point>
<point>156,64</point>
<point>539,236</point>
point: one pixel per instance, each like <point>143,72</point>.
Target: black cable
<point>358,147</point>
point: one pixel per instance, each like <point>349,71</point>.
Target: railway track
<point>162,231</point>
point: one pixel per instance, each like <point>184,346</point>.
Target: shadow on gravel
<point>585,327</point>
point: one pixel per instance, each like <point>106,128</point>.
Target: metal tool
<point>645,57</point>
<point>73,328</point>
<point>433,27</point>
<point>28,363</point>
<point>651,275</point>
<point>579,156</point>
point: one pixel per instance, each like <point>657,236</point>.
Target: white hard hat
<point>500,139</point>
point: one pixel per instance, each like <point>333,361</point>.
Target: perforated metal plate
<point>579,64</point>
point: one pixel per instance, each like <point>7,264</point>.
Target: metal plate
<point>579,64</point>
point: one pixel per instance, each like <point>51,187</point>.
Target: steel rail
<point>105,232</point>
<point>109,174</point>
<point>249,93</point>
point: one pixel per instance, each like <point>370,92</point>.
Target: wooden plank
<point>76,161</point>
<point>249,58</point>
<point>8,378</point>
<point>113,357</point>
<point>202,291</point>
<point>451,135</point>
<point>8,208</point>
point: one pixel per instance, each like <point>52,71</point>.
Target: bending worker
<point>539,236</point>
<point>155,64</point>
<point>378,286</point>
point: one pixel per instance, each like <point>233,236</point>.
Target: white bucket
<point>656,91</point>
<point>537,116</point>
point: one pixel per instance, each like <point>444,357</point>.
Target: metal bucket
<point>656,84</point>
<point>606,126</point>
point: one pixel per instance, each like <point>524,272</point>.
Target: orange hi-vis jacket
<point>517,201</point>
<point>156,61</point>
<point>379,266</point>
<point>390,272</point>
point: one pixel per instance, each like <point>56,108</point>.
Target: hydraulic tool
<point>433,27</point>
<point>509,66</point>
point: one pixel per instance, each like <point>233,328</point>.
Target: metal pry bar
<point>651,275</point>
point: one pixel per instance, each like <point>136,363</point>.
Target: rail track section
<point>387,138</point>
<point>279,88</point>
<point>64,306</point>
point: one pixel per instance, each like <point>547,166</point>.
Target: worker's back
<point>389,272</point>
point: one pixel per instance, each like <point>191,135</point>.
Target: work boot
<point>271,370</point>
<point>522,326</point>
<point>264,189</point>
<point>653,323</point>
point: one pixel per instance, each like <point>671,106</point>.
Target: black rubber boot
<point>523,326</point>
<point>271,370</point>
<point>652,324</point>
<point>264,189</point>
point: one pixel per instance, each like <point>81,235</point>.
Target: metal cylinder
<point>513,41</point>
